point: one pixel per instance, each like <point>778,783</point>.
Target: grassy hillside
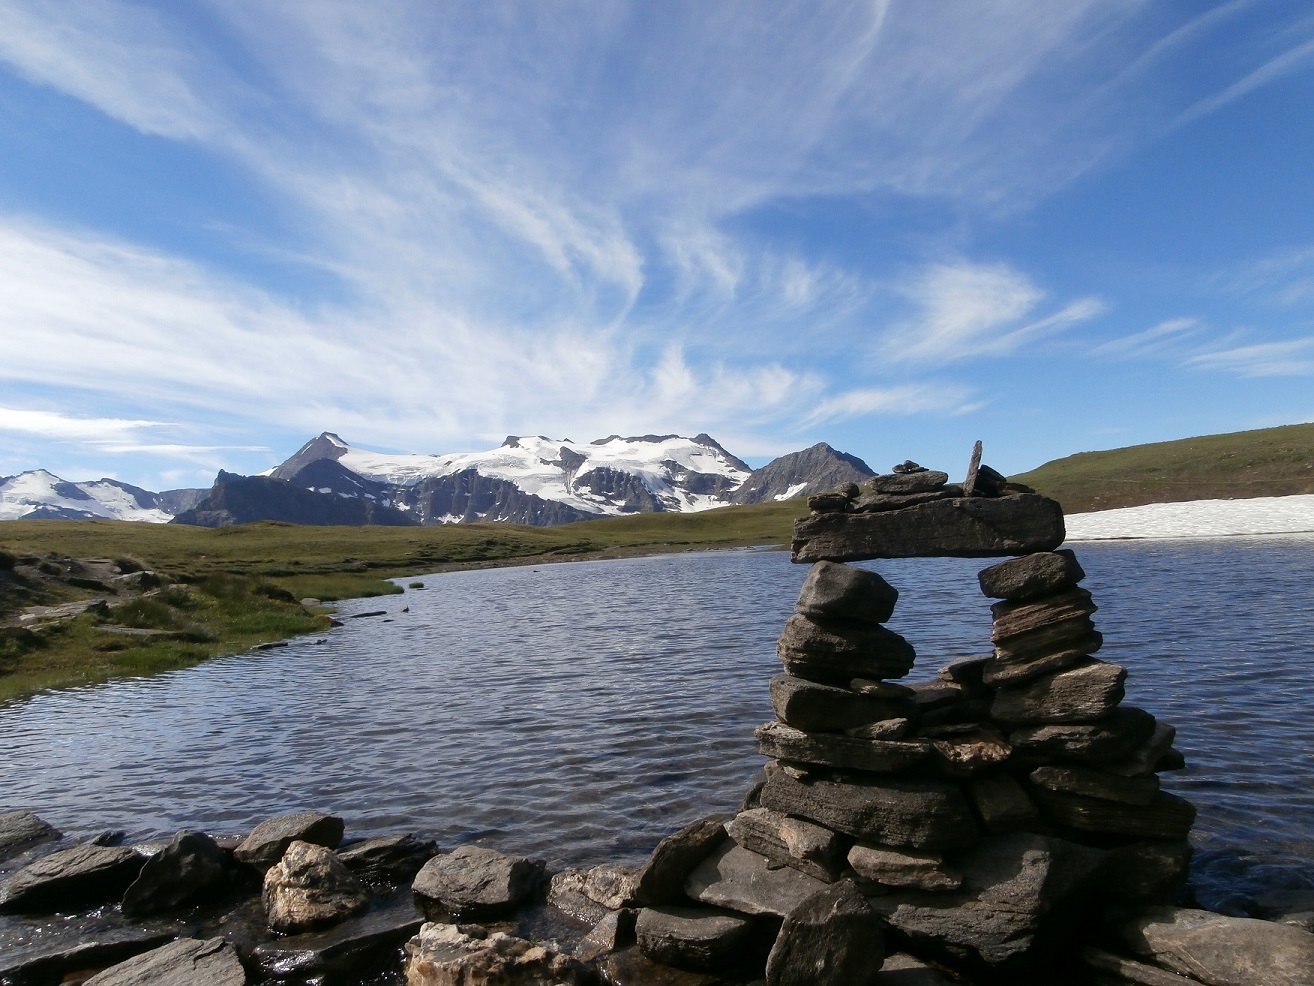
<point>235,587</point>
<point>1268,462</point>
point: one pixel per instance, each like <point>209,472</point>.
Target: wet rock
<point>967,527</point>
<point>920,813</point>
<point>473,880</point>
<point>806,846</point>
<point>566,893</point>
<point>1220,950</point>
<point>1113,738</point>
<point>902,868</point>
<point>388,861</point>
<point>832,937</point>
<point>1165,817</point>
<point>1084,693</point>
<point>775,739</point>
<point>47,952</point>
<point>613,931</point>
<point>817,708</point>
<point>346,952</point>
<point>191,869</point>
<point>72,879</point>
<point>1128,970</point>
<point>19,829</point>
<point>660,879</point>
<point>917,481</point>
<point>834,591</point>
<point>1044,573</point>
<point>588,895</point>
<point>185,962</point>
<point>1093,783</point>
<point>269,840</point>
<point>1002,803</point>
<point>310,888</point>
<point>1147,759</point>
<point>837,651</point>
<point>734,878</point>
<point>630,967</point>
<point>689,937</point>
<point>444,955</point>
<point>1020,894</point>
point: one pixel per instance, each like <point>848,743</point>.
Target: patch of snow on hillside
<point>792,492</point>
<point>1197,519</point>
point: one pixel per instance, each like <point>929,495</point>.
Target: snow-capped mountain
<point>39,495</point>
<point>528,480</point>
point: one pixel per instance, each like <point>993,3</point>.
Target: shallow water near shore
<point>580,712</point>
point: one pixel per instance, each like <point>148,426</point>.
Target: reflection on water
<point>583,711</point>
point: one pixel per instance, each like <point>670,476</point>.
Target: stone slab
<point>781,742</point>
<point>734,878</point>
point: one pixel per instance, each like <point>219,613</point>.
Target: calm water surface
<point>582,711</point>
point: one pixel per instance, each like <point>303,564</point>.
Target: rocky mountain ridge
<point>526,480</point>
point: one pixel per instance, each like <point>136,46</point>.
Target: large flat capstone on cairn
<point>979,820</point>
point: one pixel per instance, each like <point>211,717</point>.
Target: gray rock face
<point>844,592</point>
<point>1014,669</point>
<point>472,880</point>
<point>734,878</point>
<point>72,879</point>
<point>267,842</point>
<point>1144,871</point>
<point>189,870</point>
<point>1085,693</point>
<point>968,527</point>
<point>1032,576</point>
<point>832,937</point>
<point>310,888</point>
<point>922,814</point>
<point>1019,892</point>
<point>806,846</point>
<point>388,861</point>
<point>969,753</point>
<point>660,879</point>
<point>837,651</point>
<point>1220,950</point>
<point>22,828</point>
<point>185,962</point>
<point>443,955</point>
<point>688,937</point>
<point>781,742</point>
<point>818,708</point>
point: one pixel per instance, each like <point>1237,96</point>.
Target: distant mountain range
<point>525,480</point>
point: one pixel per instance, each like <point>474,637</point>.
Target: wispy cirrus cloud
<point>908,400</point>
<point>1156,340</point>
<point>1292,357</point>
<point>67,427</point>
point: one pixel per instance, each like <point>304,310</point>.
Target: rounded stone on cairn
<point>817,708</point>
<point>832,590</point>
<point>1085,693</point>
<point>1043,573</point>
<point>310,888</point>
<point>922,481</point>
<point>832,937</point>
<point>267,842</point>
<point>837,651</point>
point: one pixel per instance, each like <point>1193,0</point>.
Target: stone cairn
<point>973,819</point>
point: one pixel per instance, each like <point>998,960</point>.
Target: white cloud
<point>1154,340</point>
<point>1293,357</point>
<point>903,400</point>
<point>65,427</point>
<point>968,310</point>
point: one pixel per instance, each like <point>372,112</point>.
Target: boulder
<point>387,861</point>
<point>614,931</point>
<point>1020,895</point>
<point>844,592</point>
<point>832,937</point>
<point>966,527</point>
<point>473,880</point>
<point>1147,759</point>
<point>184,962</point>
<point>739,880</point>
<point>1014,618</point>
<point>660,879</point>
<point>1084,693</point>
<point>901,969</point>
<point>267,842</point>
<point>1043,573</point>
<point>22,828</point>
<point>72,879</point>
<point>806,846</point>
<point>310,888</point>
<point>689,937</point>
<point>191,869</point>
<point>817,708</point>
<point>919,813</point>
<point>776,740</point>
<point>589,894</point>
<point>837,651</point>
<point>1154,872</point>
<point>1220,950</point>
<point>444,955</point>
<point>888,867</point>
<point>630,967</point>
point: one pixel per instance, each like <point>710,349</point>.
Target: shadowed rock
<point>815,707</point>
<point>22,828</point>
<point>191,869</point>
<point>806,846</point>
<point>837,651</point>
<point>689,937</point>
<point>781,742</point>
<point>72,879</point>
<point>832,937</point>
<point>734,878</point>
<point>660,879</point>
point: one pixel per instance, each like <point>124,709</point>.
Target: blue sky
<point>228,225</point>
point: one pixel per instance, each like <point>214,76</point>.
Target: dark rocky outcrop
<point>245,499</point>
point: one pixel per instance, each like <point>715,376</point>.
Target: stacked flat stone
<point>973,812</point>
